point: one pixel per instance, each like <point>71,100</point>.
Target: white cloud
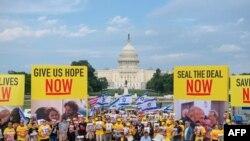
<point>8,23</point>
<point>10,34</point>
<point>45,6</point>
<point>228,48</point>
<point>150,32</point>
<point>205,29</point>
<point>118,24</point>
<point>174,57</point>
<point>83,31</point>
<point>46,21</point>
<point>84,52</point>
<point>119,20</point>
<point>111,29</point>
<point>240,20</point>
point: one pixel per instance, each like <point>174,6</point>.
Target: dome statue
<point>128,57</point>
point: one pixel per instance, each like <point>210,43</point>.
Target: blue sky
<point>165,33</point>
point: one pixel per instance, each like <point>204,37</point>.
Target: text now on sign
<point>58,82</point>
<point>12,90</point>
<point>201,83</point>
<point>240,90</point>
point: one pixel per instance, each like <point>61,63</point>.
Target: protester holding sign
<point>22,131</point>
<point>9,132</point>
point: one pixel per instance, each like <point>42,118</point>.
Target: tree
<point>162,83</point>
<point>94,84</point>
<point>27,80</point>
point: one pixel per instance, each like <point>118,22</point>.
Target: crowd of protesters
<point>114,125</point>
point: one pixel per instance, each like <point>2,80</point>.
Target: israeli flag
<point>167,108</point>
<point>141,99</point>
<point>91,112</point>
<point>125,100</point>
<point>149,104</point>
<point>22,116</point>
<point>115,104</point>
<point>103,100</point>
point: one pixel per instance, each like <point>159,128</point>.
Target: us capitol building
<point>127,72</point>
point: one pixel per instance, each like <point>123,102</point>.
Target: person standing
<point>1,130</point>
<point>22,131</point>
<point>44,131</point>
<point>108,130</point>
<point>188,133</point>
<point>177,131</point>
<point>145,137</point>
<point>199,132</point>
<point>9,132</point>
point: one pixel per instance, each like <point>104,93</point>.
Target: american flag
<point>93,101</point>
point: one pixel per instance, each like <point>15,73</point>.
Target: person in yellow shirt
<point>118,128</point>
<point>199,131</point>
<point>44,131</point>
<point>182,128</point>
<point>22,131</point>
<point>215,133</point>
<point>99,129</point>
<point>169,130</point>
<point>221,133</point>
<point>9,132</point>
<point>128,130</point>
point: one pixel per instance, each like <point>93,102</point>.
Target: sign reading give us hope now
<point>59,82</point>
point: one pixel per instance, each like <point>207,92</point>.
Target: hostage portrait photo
<point>58,109</point>
<point>205,111</point>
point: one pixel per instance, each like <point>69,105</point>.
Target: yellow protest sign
<point>240,90</point>
<point>58,82</point>
<point>12,90</point>
<point>201,83</point>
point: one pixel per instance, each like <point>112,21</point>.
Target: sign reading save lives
<point>240,90</point>
<point>58,82</point>
<point>201,83</point>
<point>11,90</point>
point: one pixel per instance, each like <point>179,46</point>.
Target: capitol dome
<point>128,56</point>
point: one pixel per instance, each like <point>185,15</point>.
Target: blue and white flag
<point>103,100</point>
<point>22,116</point>
<point>115,104</point>
<point>141,99</point>
<point>167,108</point>
<point>149,104</point>
<point>125,99</point>
<point>91,111</point>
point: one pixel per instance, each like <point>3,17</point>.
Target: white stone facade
<point>128,70</point>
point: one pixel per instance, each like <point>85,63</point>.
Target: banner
<point>12,90</point>
<point>240,90</point>
<point>201,83</point>
<point>208,113</point>
<point>58,109</point>
<point>59,82</point>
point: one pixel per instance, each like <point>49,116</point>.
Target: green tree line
<point>161,83</point>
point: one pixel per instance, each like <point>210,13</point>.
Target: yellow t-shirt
<point>169,131</point>
<point>44,132</point>
<point>182,129</point>
<point>200,133</point>
<point>9,133</point>
<point>99,128</point>
<point>214,134</point>
<point>22,132</point>
<point>118,127</point>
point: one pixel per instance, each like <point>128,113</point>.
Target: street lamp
<point>101,80</point>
